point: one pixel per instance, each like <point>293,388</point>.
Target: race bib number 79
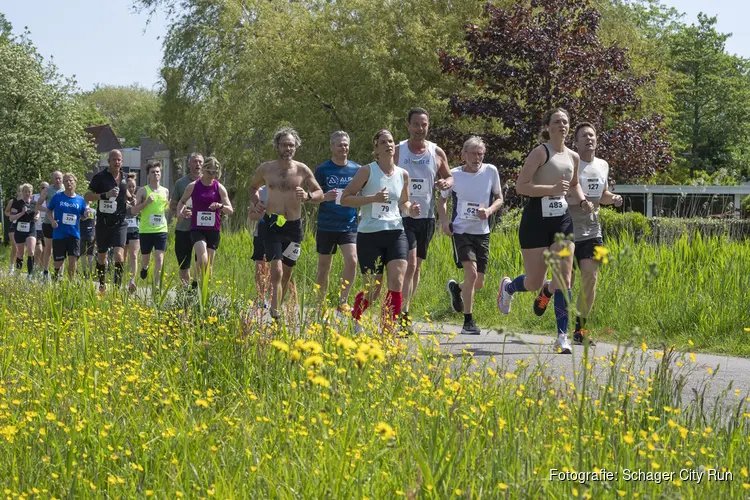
<point>385,211</point>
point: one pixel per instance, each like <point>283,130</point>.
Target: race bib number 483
<point>554,206</point>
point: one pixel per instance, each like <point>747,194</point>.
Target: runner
<point>66,209</point>
<point>183,245</point>
<point>381,241</point>
<point>86,228</point>
<point>52,189</point>
<point>39,250</point>
<point>427,166</point>
<point>209,200</point>
<point>549,177</point>
<point>593,175</point>
<point>10,210</point>
<point>476,194</point>
<point>255,215</point>
<point>281,228</point>
<point>151,204</point>
<point>25,216</point>
<point>337,225</point>
<point>109,187</point>
<point>133,235</point>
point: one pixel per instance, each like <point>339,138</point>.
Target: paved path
<point>506,348</point>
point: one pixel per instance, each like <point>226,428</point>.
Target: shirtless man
<point>281,228</point>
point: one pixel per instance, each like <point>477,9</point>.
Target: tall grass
<point>111,396</point>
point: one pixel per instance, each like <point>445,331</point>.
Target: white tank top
<point>382,216</point>
<point>422,170</point>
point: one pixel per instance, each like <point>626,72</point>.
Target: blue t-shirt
<point>333,217</point>
<point>67,211</point>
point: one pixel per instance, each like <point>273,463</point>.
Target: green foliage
<point>132,111</point>
<point>746,206</point>
<point>616,224</point>
<point>41,122</point>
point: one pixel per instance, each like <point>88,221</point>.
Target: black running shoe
<point>470,328</point>
<point>541,300</point>
<point>144,273</point>
<point>457,302</point>
<point>581,336</point>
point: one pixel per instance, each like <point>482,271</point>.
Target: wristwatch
<point>309,196</point>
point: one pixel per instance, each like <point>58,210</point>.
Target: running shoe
<point>470,328</point>
<point>504,298</point>
<point>541,300</point>
<point>131,287</point>
<point>562,343</point>
<point>144,273</point>
<point>457,302</point>
<point>581,336</point>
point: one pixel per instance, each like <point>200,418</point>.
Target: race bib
<point>69,219</point>
<point>385,211</point>
<point>292,251</point>
<point>469,210</point>
<point>338,196</point>
<point>206,219</point>
<point>156,219</point>
<point>554,206</point>
<point>38,223</point>
<point>418,188</point>
<point>107,206</point>
<point>23,227</point>
<point>132,221</point>
<point>593,187</point>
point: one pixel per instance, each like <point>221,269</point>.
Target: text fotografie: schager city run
<point>691,475</point>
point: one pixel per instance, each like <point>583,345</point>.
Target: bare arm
<point>141,201</point>
<point>525,184</point>
<point>351,198</point>
<point>576,192</point>
<point>259,178</point>
<point>442,208</point>
<point>413,209</point>
<point>316,192</point>
<point>91,196</point>
<point>445,180</point>
<point>7,208</point>
<point>185,197</point>
<point>225,201</point>
<point>39,207</point>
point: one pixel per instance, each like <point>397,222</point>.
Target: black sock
<point>56,274</point>
<point>580,323</point>
<point>101,271</point>
<point>117,280</point>
<point>45,272</point>
<point>468,318</point>
<point>144,273</point>
<point>546,292</point>
<point>30,264</point>
<point>19,263</point>
<point>194,284</point>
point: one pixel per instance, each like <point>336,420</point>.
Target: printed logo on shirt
<point>335,181</point>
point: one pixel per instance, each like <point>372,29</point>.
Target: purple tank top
<point>202,197</point>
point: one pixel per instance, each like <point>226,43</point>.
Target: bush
<point>745,206</point>
<point>616,224</point>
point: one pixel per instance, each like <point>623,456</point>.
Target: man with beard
<point>281,226</point>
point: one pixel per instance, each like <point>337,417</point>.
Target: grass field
<point>194,398</point>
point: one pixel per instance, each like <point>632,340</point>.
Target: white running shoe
<point>562,343</point>
<point>503,297</point>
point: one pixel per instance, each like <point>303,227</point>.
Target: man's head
<point>418,123</point>
<point>286,141</point>
<point>153,170</point>
<point>115,159</point>
<point>585,137</point>
<point>340,145</point>
<point>195,164</point>
<point>43,185</point>
<point>473,152</point>
<point>57,179</point>
<point>69,181</point>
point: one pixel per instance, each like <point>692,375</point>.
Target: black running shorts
<point>472,247</point>
<point>70,246</point>
<point>419,233</point>
<point>376,250</point>
<point>536,231</point>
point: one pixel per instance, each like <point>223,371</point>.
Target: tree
<point>132,111</point>
<point>712,98</point>
<point>539,55</point>
<point>41,124</point>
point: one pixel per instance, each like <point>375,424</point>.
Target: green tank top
<point>154,216</point>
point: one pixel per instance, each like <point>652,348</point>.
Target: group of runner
<point>381,215</point>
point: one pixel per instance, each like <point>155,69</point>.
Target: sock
<point>117,279</point>
<point>392,303</point>
<point>516,285</point>
<point>30,264</point>
<point>45,272</point>
<point>56,274</point>
<point>194,284</point>
<point>580,323</point>
<point>545,291</point>
<point>360,305</point>
<point>101,271</point>
<point>19,263</point>
<point>561,311</point>
<point>468,318</point>
<point>144,273</point>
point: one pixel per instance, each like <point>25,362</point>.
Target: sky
<point>105,42</point>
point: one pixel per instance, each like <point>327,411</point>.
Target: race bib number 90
<point>385,211</point>
<point>554,206</point>
<point>418,188</point>
<point>206,219</point>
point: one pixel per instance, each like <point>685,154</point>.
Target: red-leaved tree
<point>543,54</point>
